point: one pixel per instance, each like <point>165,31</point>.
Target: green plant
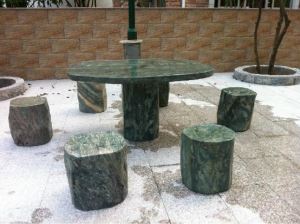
<point>83,3</point>
<point>45,3</point>
<point>16,3</point>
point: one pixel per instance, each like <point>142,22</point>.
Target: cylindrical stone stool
<point>164,88</point>
<point>91,97</point>
<point>236,108</point>
<point>30,121</point>
<point>206,158</point>
<point>96,166</point>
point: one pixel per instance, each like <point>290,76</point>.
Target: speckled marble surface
<point>96,166</point>
<point>265,180</point>
<point>95,143</point>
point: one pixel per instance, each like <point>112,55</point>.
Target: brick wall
<point>170,3</point>
<point>42,43</point>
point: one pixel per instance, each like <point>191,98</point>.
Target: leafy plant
<point>82,3</point>
<point>281,29</point>
<point>45,3</point>
<point>16,3</point>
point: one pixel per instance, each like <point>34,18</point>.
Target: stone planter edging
<point>275,80</point>
<point>14,89</point>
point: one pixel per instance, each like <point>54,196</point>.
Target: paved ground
<point>266,177</point>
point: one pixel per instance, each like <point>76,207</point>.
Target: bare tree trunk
<point>258,70</point>
<point>280,32</point>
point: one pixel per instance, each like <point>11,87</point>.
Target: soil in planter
<point>6,82</point>
<point>276,71</point>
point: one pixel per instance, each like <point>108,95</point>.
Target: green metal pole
<point>132,34</point>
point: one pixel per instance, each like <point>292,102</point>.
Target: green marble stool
<point>236,108</point>
<point>30,121</point>
<point>96,166</point>
<point>206,158</point>
<point>91,97</point>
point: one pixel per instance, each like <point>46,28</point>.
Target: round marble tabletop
<point>138,70</point>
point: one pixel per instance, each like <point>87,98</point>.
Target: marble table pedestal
<point>141,111</point>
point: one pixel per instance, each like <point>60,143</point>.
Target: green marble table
<point>140,80</point>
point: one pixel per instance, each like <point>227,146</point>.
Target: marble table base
<point>141,111</point>
<point>164,88</point>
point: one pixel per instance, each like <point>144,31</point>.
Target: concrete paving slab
<point>57,92</point>
<point>263,127</point>
<point>26,178</point>
<point>259,198</point>
<point>212,94</point>
<point>163,157</point>
<point>241,175</point>
<point>289,193</point>
<point>264,171</point>
<point>285,145</point>
<point>185,206</point>
<point>290,125</point>
<point>188,91</point>
<point>249,145</point>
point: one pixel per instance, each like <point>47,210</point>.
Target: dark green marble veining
<point>91,97</point>
<point>206,158</point>
<point>236,108</point>
<point>96,166</point>
<point>30,121</point>
<point>137,70</point>
<point>164,88</point>
<point>141,111</point>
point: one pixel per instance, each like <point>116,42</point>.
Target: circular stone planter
<point>284,75</point>
<point>11,87</point>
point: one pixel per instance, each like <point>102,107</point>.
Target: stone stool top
<point>92,144</point>
<point>211,133</point>
<point>239,91</point>
<point>28,101</point>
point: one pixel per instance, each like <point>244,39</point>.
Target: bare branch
<point>258,70</point>
<point>280,32</point>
